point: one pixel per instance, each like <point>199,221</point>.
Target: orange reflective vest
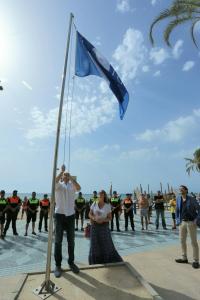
<point>44,202</point>
<point>14,200</point>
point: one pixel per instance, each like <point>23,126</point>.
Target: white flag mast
<point>48,288</point>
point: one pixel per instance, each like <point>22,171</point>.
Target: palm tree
<point>180,12</point>
<point>193,163</point>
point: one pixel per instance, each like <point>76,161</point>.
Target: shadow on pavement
<point>171,294</point>
<point>97,289</point>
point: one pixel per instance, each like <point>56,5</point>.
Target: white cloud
<point>158,55</point>
<point>145,69</point>
<point>197,112</point>
<point>96,155</point>
<point>103,87</point>
<point>173,131</point>
<point>188,65</point>
<point>157,73</point>
<point>130,55</point>
<point>177,49</point>
<point>90,111</point>
<point>97,41</point>
<point>138,154</point>
<point>123,6</point>
<point>153,2</point>
<point>27,85</point>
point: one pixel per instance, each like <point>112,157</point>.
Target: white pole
<point>49,249</point>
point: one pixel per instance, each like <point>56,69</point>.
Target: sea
<point>41,195</point>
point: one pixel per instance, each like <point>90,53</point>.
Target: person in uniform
<point>3,207</point>
<point>115,203</point>
<point>13,209</point>
<point>88,204</point>
<point>94,198</point>
<point>44,210</point>
<point>32,206</point>
<point>79,210</point>
<point>128,211</point>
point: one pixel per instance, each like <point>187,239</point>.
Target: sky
<point>162,123</point>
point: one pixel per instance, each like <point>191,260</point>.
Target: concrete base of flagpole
<point>111,281</point>
<point>46,289</point>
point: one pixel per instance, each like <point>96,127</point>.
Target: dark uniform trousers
<point>129,215</point>
<point>64,223</point>
<point>43,215</point>
<point>116,214</point>
<point>11,216</point>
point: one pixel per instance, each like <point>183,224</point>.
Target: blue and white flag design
<point>90,62</point>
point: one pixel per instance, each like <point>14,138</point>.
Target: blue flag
<point>90,62</point>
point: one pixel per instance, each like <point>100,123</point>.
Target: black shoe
<point>181,261</point>
<point>133,229</point>
<point>25,234</point>
<point>76,229</point>
<point>15,233</point>
<point>2,236</point>
<point>156,227</point>
<point>118,230</point>
<point>57,272</point>
<point>74,268</point>
<point>39,230</point>
<point>195,264</point>
<point>165,228</point>
<point>46,230</point>
<point>34,233</point>
<point>126,229</point>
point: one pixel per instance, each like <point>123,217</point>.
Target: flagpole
<point>48,286</point>
<point>161,187</point>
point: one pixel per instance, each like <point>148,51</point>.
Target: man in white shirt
<point>66,187</point>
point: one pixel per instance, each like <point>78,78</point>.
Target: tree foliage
<point>193,164</point>
<point>180,12</point>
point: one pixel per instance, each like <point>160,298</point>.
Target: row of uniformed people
<point>10,207</point>
<point>82,208</point>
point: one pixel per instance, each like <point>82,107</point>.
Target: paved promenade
<point>20,254</point>
<point>151,252</point>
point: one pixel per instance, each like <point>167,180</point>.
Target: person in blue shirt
<point>187,211</point>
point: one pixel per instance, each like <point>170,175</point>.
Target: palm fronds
<point>193,164</point>
<point>181,11</point>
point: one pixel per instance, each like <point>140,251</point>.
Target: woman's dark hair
<point>105,196</point>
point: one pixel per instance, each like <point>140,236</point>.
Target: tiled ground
<point>20,254</point>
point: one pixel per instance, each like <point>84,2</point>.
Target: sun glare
<point>6,48</point>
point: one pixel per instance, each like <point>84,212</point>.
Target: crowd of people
<point>10,208</point>
<point>104,213</point>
